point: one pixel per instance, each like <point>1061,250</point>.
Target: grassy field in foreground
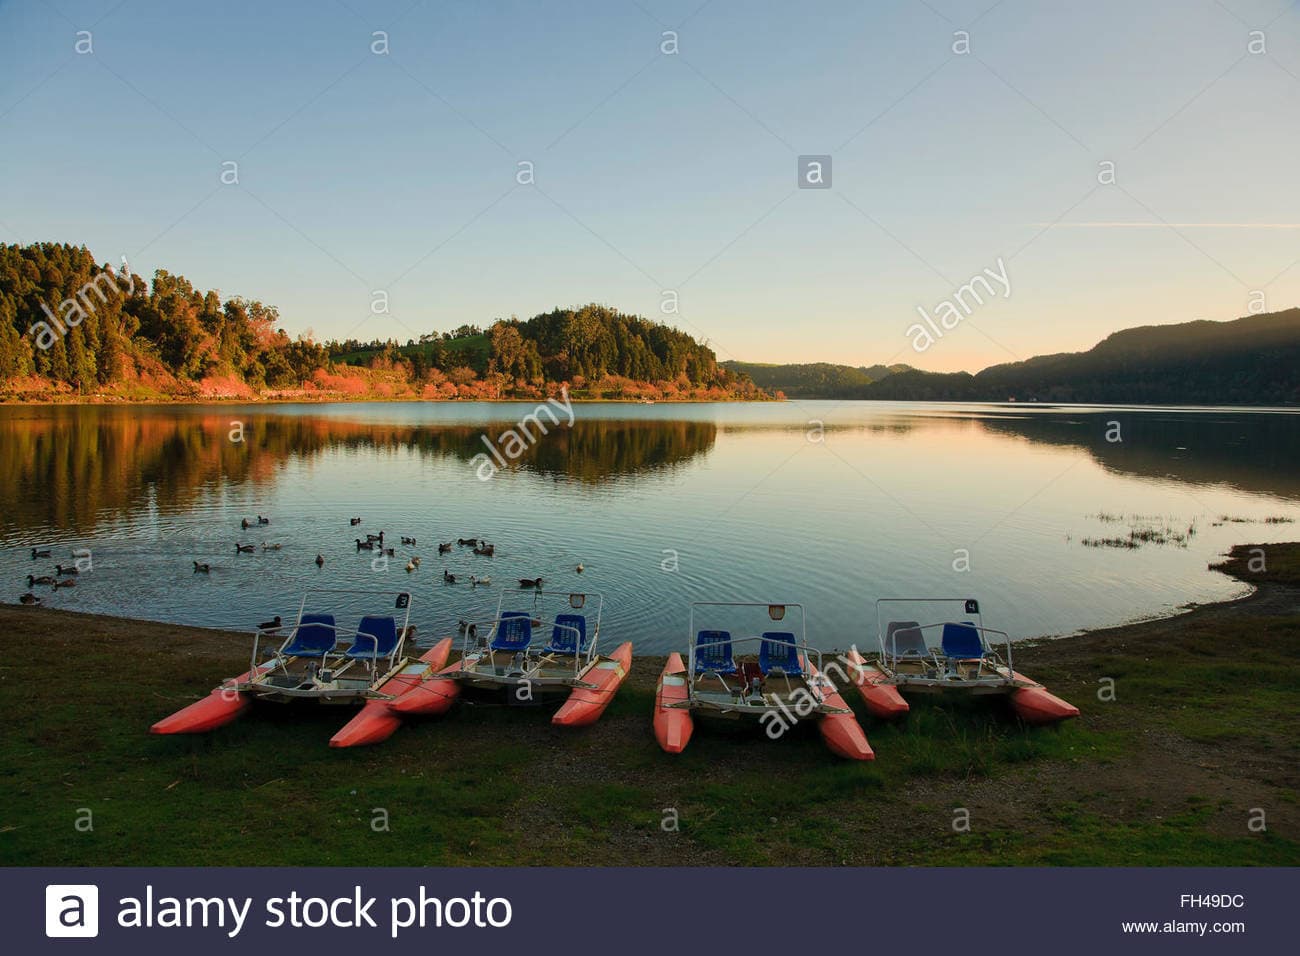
<point>1201,733</point>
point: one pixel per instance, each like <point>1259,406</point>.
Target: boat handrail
<point>404,630</point>
<point>811,656</point>
<point>971,610</point>
<point>989,651</point>
<point>582,658</point>
<point>800,642</point>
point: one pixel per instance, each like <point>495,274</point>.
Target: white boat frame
<point>534,667</point>
<point>740,702</point>
<point>937,673</point>
<point>334,677</point>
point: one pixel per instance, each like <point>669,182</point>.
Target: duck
<point>320,561</point>
<point>448,577</point>
<point>40,554</point>
<point>479,582</point>
<point>410,566</point>
<point>365,545</point>
<point>388,552</point>
<point>530,582</point>
<point>60,569</point>
<point>243,548</point>
<point>29,598</point>
<point>372,538</point>
<point>261,520</point>
<point>579,569</point>
<point>406,540</point>
<point>270,626</point>
<point>202,568</point>
<point>415,560</point>
<point>271,547</point>
<point>43,579</point>
<point>65,584</point>
<point>487,550</point>
<point>471,542</point>
<point>444,548</point>
<point>245,524</point>
<point>354,521</point>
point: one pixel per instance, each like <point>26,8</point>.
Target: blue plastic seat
<point>564,640</point>
<point>780,651</point>
<point>376,638</point>
<point>962,642</point>
<point>313,637</point>
<point>514,632</point>
<point>713,653</point>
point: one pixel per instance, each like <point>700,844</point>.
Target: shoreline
<point>165,402</point>
<point>1196,734</point>
<point>1263,597</point>
<point>376,400</point>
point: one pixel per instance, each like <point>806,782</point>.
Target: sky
<point>385,147</point>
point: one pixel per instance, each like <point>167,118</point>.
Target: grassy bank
<point>1200,734</point>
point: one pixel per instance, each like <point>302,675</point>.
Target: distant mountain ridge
<point>815,379</point>
<point>1248,361</point>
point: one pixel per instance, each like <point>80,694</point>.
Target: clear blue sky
<point>661,171</point>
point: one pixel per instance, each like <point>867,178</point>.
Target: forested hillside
<point>71,327</point>
<point>814,379</point>
<point>1249,361</point>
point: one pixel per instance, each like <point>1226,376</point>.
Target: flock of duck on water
<point>61,578</point>
<point>64,577</point>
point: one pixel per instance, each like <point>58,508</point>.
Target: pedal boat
<point>775,679</point>
<point>529,657</point>
<point>323,662</point>
<point>947,657</point>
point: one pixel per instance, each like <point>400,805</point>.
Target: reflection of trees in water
<point>595,451</point>
<point>68,468</point>
<point>71,467</point>
<point>1253,452</point>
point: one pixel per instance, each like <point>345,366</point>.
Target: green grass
<point>1084,839</point>
<point>1228,684</point>
<point>1275,563</point>
<point>496,785</point>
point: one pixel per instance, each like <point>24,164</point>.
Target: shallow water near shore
<point>830,504</point>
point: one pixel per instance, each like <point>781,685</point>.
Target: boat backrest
<point>962,641</point>
<point>779,651</point>
<point>713,652</point>
<point>904,639</point>
<point>313,637</point>
<point>514,632</point>
<point>569,635</point>
<point>376,638</point>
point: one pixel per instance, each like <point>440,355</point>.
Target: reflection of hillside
<point>1255,453</point>
<point>596,451</point>
<point>74,466</point>
<point>79,466</point>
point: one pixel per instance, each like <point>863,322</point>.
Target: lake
<point>832,504</point>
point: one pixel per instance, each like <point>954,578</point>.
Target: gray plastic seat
<point>904,639</point>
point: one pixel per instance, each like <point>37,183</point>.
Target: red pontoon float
<point>774,679</point>
<point>321,661</point>
<point>953,653</point>
<point>530,655</point>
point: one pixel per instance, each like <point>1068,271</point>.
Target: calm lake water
<point>829,504</point>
